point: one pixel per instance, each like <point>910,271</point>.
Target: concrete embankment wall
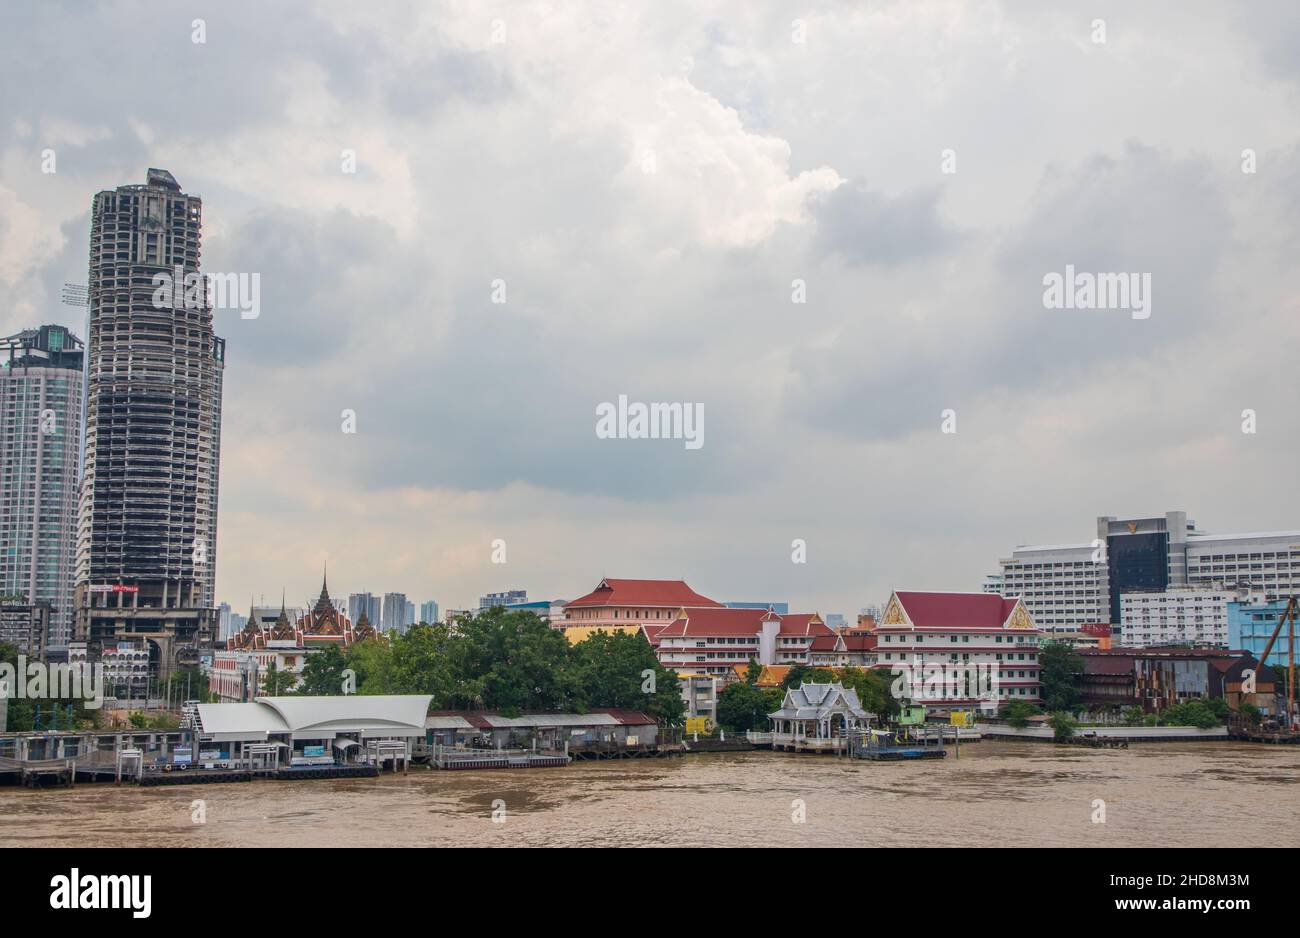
<point>1133,734</point>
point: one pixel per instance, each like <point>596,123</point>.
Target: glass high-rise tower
<point>40,450</point>
<point>147,535</point>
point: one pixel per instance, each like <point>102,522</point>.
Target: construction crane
<point>1289,618</point>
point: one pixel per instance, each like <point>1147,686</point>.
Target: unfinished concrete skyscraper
<point>147,524</point>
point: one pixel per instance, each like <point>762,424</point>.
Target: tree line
<point>508,661</point>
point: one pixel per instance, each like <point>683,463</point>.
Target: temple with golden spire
<point>239,670</point>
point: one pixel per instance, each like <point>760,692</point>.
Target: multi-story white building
<point>1063,586</point>
<point>126,669</point>
<point>1068,586</point>
<point>1268,563</point>
<point>504,598</point>
<point>714,641</point>
<point>1177,617</point>
<point>845,649</point>
<point>700,694</point>
<point>960,650</point>
<point>240,674</point>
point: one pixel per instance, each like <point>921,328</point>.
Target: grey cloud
<point>869,228</point>
<point>1143,212</point>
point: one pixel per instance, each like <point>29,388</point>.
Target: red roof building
<point>632,602</point>
<point>716,640</point>
<point>845,649</point>
<point>962,650</point>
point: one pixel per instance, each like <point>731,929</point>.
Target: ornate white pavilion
<point>818,718</point>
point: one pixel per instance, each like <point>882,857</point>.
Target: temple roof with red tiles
<point>941,611</point>
<point>662,593</point>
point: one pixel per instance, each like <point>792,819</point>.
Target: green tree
<point>1190,713</point>
<point>322,673</point>
<point>1132,716</point>
<point>277,683</point>
<point>1251,713</point>
<point>872,687</point>
<point>186,683</point>
<point>1062,725</point>
<point>615,669</point>
<point>796,676</point>
<point>753,672</point>
<point>742,706</point>
<point>511,661</point>
<point>1218,706</point>
<point>1061,671</point>
<point>1018,712</point>
<point>22,712</point>
<point>371,660</point>
<point>420,663</point>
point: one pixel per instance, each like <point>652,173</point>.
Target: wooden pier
<point>452,757</point>
<point>1280,738</point>
<point>614,750</point>
<point>894,746</point>
<point>43,760</point>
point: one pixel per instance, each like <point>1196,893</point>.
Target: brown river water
<point>997,793</point>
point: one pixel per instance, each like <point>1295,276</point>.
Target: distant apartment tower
<point>371,605</point>
<point>409,618</point>
<point>394,612</point>
<point>508,598</point>
<point>147,532</point>
<point>40,452</point>
<point>429,612</point>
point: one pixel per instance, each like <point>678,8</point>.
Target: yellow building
<point>580,633</point>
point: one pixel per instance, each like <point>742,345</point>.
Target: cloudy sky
<point>649,180</point>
